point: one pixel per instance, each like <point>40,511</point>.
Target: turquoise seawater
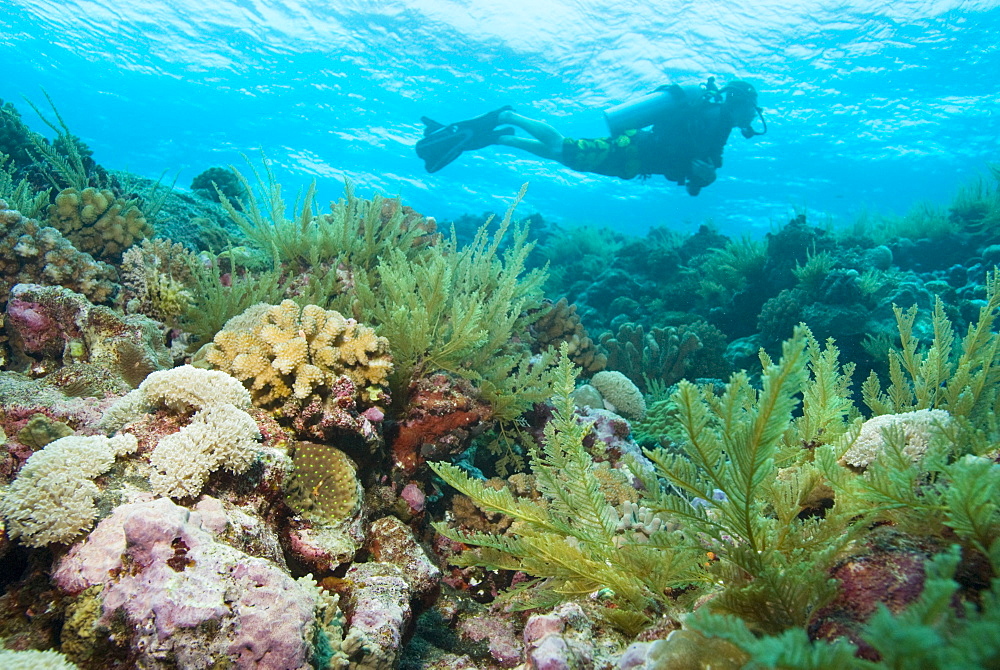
<point>871,105</point>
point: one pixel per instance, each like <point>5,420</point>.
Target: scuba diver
<point>676,131</point>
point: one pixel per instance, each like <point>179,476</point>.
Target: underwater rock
<point>378,609</point>
<point>185,598</point>
<point>888,570</point>
<point>391,541</point>
<point>498,633</point>
<point>444,413</point>
<point>51,326</point>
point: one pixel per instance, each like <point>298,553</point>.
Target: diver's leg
<point>547,142</point>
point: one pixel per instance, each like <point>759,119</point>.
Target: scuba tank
<point>644,111</point>
<point>652,108</point>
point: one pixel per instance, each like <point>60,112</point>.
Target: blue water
<point>872,106</point>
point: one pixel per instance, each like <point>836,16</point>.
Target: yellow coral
<point>98,223</point>
<point>284,350</point>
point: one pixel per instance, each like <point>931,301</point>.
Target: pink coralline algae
<point>378,607</point>
<point>188,599</point>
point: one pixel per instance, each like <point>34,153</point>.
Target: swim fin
<point>441,144</point>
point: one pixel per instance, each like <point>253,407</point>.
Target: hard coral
<point>620,394</point>
<point>561,323</point>
<point>324,483</point>
<point>32,252</point>
<point>660,354</point>
<point>97,222</point>
<point>50,326</point>
<point>286,350</point>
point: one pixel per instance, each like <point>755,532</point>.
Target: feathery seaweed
<point>573,541</point>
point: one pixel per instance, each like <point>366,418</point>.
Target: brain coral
<point>285,350</point>
<point>52,499</point>
<point>97,222</point>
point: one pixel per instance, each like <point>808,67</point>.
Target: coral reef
<point>220,435</point>
<point>33,253</point>
<point>158,279</point>
<point>97,222</point>
<point>51,326</point>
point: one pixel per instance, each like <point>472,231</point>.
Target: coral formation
<point>324,484</point>
<point>661,354</point>
<point>620,394</point>
<point>33,253</point>
<point>560,323</point>
<point>97,222</point>
<point>188,599</point>
<point>916,429</point>
<point>51,326</point>
<point>52,499</point>
<point>158,279</point>
<point>283,350</point>
<point>220,435</point>
<point>31,659</point>
<point>440,420</point>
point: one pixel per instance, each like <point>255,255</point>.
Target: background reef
<point>238,434</point>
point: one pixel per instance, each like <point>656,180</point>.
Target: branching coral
<point>661,354</point>
<point>97,222</point>
<point>285,350</point>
